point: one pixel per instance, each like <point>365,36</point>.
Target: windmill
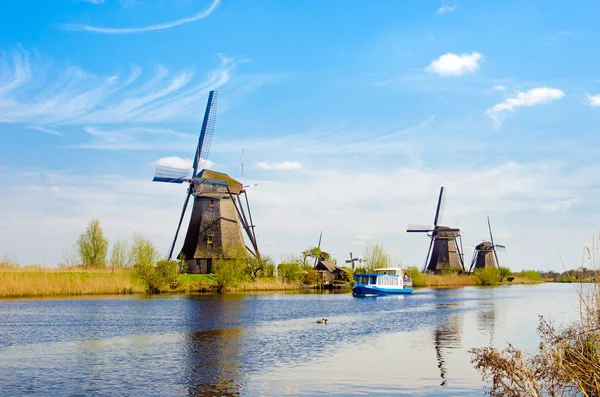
<point>445,248</point>
<point>219,214</point>
<point>353,260</point>
<point>485,253</point>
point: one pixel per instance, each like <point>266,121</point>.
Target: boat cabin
<point>388,276</point>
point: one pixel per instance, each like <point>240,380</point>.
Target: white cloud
<point>452,64</point>
<point>593,100</point>
<point>445,8</point>
<point>178,162</point>
<point>534,96</point>
<point>499,88</point>
<point>161,26</point>
<point>94,1</point>
<point>282,166</point>
<point>175,162</point>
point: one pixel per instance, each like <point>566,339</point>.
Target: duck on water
<point>382,281</point>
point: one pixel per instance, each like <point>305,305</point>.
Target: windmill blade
<point>319,248</point>
<point>439,207</point>
<point>500,247</point>
<point>490,228</point>
<point>428,252</point>
<point>167,174</point>
<point>205,139</point>
<point>418,229</point>
<point>185,203</point>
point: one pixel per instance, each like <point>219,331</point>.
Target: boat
<point>382,281</point>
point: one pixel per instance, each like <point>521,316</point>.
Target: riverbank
<point>32,282</point>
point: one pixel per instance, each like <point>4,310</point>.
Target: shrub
<point>311,277</point>
<point>418,278</point>
<point>487,276</point>
<point>168,272</point>
<point>292,271</point>
<point>229,273</point>
<point>567,362</point>
<point>504,273</point>
<point>531,275</point>
<point>92,245</point>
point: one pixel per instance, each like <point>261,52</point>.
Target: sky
<point>351,115</point>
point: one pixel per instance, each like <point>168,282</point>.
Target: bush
<point>291,271</point>
<point>418,278</point>
<point>311,277</point>
<point>168,272</point>
<point>230,273</point>
<point>567,362</point>
<point>531,275</point>
<point>487,276</point>
<point>504,273</point>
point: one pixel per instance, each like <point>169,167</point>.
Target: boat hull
<point>363,290</point>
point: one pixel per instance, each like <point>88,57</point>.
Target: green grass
<point>531,275</point>
<point>196,278</point>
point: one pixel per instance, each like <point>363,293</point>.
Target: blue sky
<point>352,114</point>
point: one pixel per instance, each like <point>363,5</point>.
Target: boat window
<point>373,280</point>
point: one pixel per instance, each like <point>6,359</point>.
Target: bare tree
<point>119,257</point>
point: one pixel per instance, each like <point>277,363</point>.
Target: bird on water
<point>322,321</point>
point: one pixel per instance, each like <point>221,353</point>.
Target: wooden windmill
<point>445,248</point>
<point>485,253</point>
<point>220,212</point>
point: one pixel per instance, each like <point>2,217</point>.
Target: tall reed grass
<point>24,282</point>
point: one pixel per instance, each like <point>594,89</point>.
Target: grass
<point>266,284</point>
<point>531,275</point>
<point>36,282</point>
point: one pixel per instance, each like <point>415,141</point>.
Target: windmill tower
<point>485,253</point>
<point>220,211</point>
<point>445,248</point>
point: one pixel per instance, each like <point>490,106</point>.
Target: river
<point>267,344</point>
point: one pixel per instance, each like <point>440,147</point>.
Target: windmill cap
<point>234,186</point>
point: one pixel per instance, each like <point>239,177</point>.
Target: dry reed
<point>26,282</point>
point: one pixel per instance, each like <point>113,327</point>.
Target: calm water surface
<point>267,345</point>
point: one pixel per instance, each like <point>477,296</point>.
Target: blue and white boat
<point>383,281</point>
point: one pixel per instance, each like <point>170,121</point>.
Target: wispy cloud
<point>282,166</point>
<point>161,26</point>
<point>452,64</point>
<point>445,8</point>
<point>135,138</point>
<point>535,96</point>
<point>45,130</point>
<point>499,88</point>
<point>593,100</point>
<point>76,97</point>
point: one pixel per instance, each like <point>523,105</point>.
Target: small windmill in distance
<point>485,253</point>
<point>353,260</point>
<point>444,248</point>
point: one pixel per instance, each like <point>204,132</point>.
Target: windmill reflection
<point>214,355</point>
<point>486,321</point>
<point>214,362</point>
<point>446,336</point>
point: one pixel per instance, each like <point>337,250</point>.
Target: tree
<point>144,255</point>
<point>261,266</point>
<point>230,273</point>
<point>119,257</point>
<point>291,271</point>
<point>93,246</point>
<point>376,256</point>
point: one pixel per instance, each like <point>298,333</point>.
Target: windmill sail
<point>171,174</point>
<point>208,127</point>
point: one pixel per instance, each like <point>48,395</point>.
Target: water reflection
<point>214,362</point>
<point>213,355</point>
<point>447,335</point>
